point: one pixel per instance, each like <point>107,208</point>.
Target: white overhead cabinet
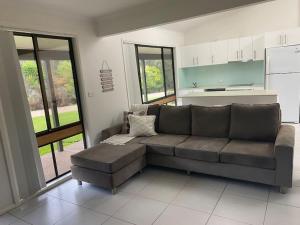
<point>233,50</point>
<point>188,56</point>
<point>204,55</point>
<point>246,49</point>
<point>283,38</point>
<point>258,48</point>
<point>219,51</point>
<point>240,49</point>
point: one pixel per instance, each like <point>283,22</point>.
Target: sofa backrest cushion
<point>211,121</point>
<point>154,110</point>
<point>175,120</point>
<point>255,122</point>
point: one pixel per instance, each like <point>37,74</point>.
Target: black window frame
<point>163,68</point>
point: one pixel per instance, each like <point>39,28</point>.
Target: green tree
<point>154,78</point>
<point>30,73</point>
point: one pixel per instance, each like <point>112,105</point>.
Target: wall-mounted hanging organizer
<point>106,77</point>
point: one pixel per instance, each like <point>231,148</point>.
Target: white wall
<point>256,19</point>
<point>103,109</point>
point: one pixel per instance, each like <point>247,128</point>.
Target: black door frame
<point>50,130</point>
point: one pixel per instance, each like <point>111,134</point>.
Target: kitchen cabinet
<point>233,50</point>
<point>196,55</point>
<point>188,55</point>
<point>204,54</point>
<point>292,37</point>
<point>283,38</point>
<point>246,49</point>
<point>219,51</point>
<point>240,49</point>
<point>258,47</point>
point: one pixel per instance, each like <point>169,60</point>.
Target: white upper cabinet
<point>283,38</point>
<point>204,54</point>
<point>246,49</point>
<point>258,47</point>
<point>188,56</point>
<point>233,50</point>
<point>292,37</point>
<point>274,39</point>
<point>219,50</point>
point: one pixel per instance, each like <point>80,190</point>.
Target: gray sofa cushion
<point>255,122</point>
<point>201,148</point>
<point>154,110</point>
<point>175,120</point>
<point>163,143</point>
<point>211,121</point>
<point>108,158</point>
<point>249,153</point>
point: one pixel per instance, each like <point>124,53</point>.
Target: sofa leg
<point>113,191</point>
<point>188,172</point>
<point>79,182</point>
<point>283,190</point>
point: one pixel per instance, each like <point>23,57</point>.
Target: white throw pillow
<point>141,125</point>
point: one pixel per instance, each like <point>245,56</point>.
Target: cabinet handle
<point>242,54</point>
<point>212,59</point>
<point>237,55</point>
<point>254,54</point>
<point>280,42</point>
<point>193,60</point>
<point>285,39</point>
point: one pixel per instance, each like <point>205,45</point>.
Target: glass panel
<point>71,146</point>
<point>47,162</point>
<point>59,83</point>
<point>30,75</point>
<point>152,66</point>
<point>169,72</point>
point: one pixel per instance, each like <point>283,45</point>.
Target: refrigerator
<point>283,76</point>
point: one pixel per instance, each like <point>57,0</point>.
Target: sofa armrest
<point>111,131</point>
<point>284,155</point>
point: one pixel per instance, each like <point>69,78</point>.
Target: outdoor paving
<point>62,158</point>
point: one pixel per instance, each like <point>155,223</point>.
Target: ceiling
<point>86,8</point>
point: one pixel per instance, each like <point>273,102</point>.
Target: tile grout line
<point>267,206</point>
<point>210,215</point>
<point>168,204</point>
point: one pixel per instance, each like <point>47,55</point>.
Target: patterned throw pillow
<point>125,125</point>
<point>141,125</point>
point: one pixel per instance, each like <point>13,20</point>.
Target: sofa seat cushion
<point>108,158</point>
<point>163,143</point>
<point>201,148</point>
<point>249,153</point>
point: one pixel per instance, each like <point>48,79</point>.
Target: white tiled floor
<point>165,197</point>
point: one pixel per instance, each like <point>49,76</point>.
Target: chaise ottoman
<point>108,165</point>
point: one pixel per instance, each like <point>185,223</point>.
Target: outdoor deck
<point>62,158</point>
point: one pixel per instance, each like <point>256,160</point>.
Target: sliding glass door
<point>49,73</point>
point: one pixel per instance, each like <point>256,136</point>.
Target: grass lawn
<point>39,124</point>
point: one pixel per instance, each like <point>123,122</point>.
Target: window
<point>156,73</point>
<point>49,73</point>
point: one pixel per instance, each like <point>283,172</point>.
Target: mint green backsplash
<point>233,73</point>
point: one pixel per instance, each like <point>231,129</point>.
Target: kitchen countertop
<point>233,93</point>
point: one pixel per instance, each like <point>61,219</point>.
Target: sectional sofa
<point>246,142</point>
